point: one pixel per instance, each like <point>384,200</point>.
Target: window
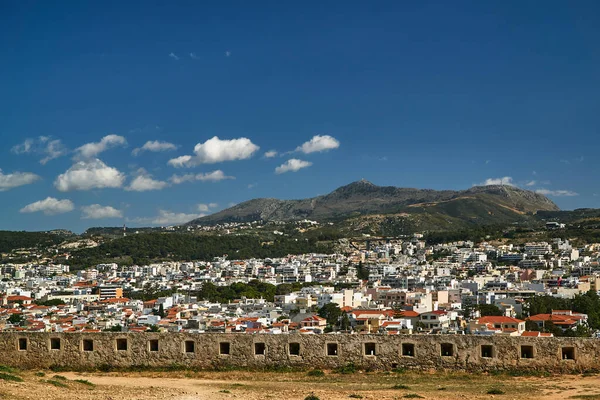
<point>526,351</point>
<point>153,345</point>
<point>22,344</point>
<point>447,349</point>
<point>408,349</point>
<point>294,349</point>
<point>260,349</point>
<point>122,344</point>
<point>224,348</point>
<point>332,349</point>
<point>190,346</point>
<point>568,353</point>
<point>487,351</point>
<point>370,349</point>
<point>54,344</point>
<point>87,345</point>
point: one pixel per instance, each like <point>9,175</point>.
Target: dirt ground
<point>293,386</point>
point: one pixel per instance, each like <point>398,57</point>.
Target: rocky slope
<point>479,204</point>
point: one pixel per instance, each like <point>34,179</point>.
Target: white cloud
<point>154,146</point>
<point>507,181</point>
<point>193,56</point>
<point>96,211</point>
<point>174,56</point>
<point>530,183</point>
<point>49,206</point>
<point>53,149</point>
<point>227,53</point>
<point>42,145</point>
<point>24,147</point>
<point>144,182</point>
<point>91,150</point>
<point>319,143</point>
<point>166,218</point>
<point>16,179</point>
<point>207,207</point>
<point>180,162</point>
<point>270,154</point>
<point>86,175</point>
<point>292,165</point>
<point>215,150</point>
<point>213,176</point>
<point>557,193</point>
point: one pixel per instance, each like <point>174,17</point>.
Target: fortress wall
<point>466,352</point>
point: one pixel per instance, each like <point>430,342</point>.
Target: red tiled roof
<point>499,320</point>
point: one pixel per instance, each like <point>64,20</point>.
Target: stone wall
<point>92,350</point>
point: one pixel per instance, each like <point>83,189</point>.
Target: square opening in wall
<point>260,349</point>
<point>447,350</point>
<point>22,344</point>
<point>153,345</point>
<point>487,351</point>
<point>190,346</point>
<point>122,344</point>
<point>568,353</point>
<point>370,349</point>
<point>224,348</point>
<point>87,345</point>
<point>294,349</point>
<point>332,349</point>
<point>408,349</point>
<point>54,344</point>
<point>526,351</point>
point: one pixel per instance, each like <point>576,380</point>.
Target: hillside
<point>479,205</point>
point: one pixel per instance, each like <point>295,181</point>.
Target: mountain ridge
<point>362,198</point>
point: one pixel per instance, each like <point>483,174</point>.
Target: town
<point>382,286</point>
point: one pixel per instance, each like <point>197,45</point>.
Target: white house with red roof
<point>497,325</point>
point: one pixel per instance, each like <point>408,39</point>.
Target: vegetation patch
<point>84,382</point>
<point>316,372</point>
<point>349,368</point>
<point>401,386</point>
<point>56,383</point>
<point>413,396</point>
<point>495,391</point>
<point>9,377</point>
<point>311,397</point>
<point>10,370</point>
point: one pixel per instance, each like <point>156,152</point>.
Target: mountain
<point>423,208</point>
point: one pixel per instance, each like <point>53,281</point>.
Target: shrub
<point>84,382</point>
<point>8,377</point>
<point>40,373</point>
<point>59,377</point>
<point>311,397</point>
<point>495,391</point>
<point>413,396</point>
<point>355,396</point>
<point>400,386</point>
<point>349,368</point>
<point>57,383</point>
<point>10,370</point>
<point>316,372</point>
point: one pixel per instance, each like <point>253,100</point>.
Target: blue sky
<point>440,95</point>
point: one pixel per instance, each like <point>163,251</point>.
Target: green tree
<point>362,272</point>
<point>331,312</point>
<point>487,310</point>
<point>16,319</point>
<point>398,310</point>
